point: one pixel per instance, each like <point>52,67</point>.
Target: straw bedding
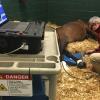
<point>69,88</point>
<point>82,46</point>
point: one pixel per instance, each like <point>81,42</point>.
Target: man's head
<point>94,23</point>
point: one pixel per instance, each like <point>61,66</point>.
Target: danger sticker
<point>2,87</point>
<point>15,85</point>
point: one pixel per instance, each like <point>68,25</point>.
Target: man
<point>94,24</point>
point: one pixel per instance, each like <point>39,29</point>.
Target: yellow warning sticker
<point>2,88</point>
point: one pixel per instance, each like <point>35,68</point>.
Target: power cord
<point>65,66</point>
<point>21,47</point>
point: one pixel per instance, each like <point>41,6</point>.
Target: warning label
<point>15,77</point>
<point>2,88</point>
<point>15,85</point>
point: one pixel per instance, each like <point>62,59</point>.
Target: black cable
<point>73,76</point>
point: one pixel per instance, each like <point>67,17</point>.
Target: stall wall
<point>66,10</point>
<point>32,10</point>
<point>59,11</point>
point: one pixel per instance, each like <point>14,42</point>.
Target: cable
<point>22,46</point>
<point>64,65</point>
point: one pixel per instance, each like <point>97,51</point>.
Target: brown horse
<point>71,32</point>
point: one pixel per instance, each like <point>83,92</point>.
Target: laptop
<point>35,28</point>
<point>13,34</point>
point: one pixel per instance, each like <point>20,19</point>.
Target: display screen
<point>3,17</point>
